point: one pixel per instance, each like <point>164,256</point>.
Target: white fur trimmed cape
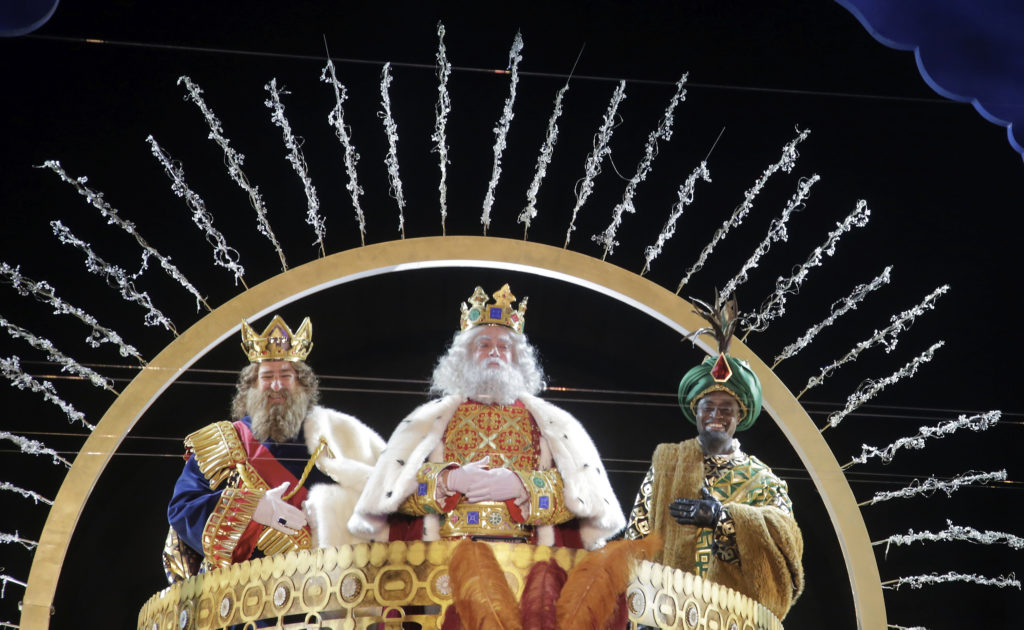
<point>355,448</point>
<point>565,445</point>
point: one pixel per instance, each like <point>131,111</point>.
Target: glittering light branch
<point>786,163</point>
<point>547,150</point>
<point>32,447</point>
<point>223,255</point>
<point>297,160</point>
<point>776,232</point>
<point>16,538</point>
<point>28,494</point>
<point>391,160</point>
<point>601,150</point>
<point>441,111</point>
<point>954,533</point>
<point>888,337</point>
<point>977,422</point>
<point>4,579</point>
<point>930,485</point>
<point>337,120</point>
<point>113,218</point>
<point>8,624</point>
<point>234,161</point>
<point>116,277</point>
<point>870,387</point>
<point>43,292</point>
<point>918,581</point>
<point>839,309</point>
<point>67,364</point>
<point>685,195</point>
<point>895,627</point>
<point>501,129</point>
<point>663,132</point>
<point>775,305</point>
<point>11,369</point>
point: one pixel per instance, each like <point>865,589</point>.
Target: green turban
<point>743,384</point>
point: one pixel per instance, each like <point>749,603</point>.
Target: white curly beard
<point>280,421</point>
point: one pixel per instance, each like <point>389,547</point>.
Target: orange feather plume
<point>483,598</point>
<point>591,592</point>
<point>540,592</point>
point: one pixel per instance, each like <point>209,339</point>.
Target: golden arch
<point>447,251</point>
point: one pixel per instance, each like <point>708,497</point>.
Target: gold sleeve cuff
<point>547,497</point>
<point>226,525</point>
<point>424,500</point>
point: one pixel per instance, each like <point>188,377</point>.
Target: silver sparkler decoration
<point>663,132</point>
<point>32,447</point>
<point>602,149</point>
<point>391,160</point>
<point>547,151</point>
<point>930,485</point>
<point>116,276</point>
<point>501,129</point>
<point>4,579</point>
<point>918,581</point>
<point>28,494</point>
<point>43,292</point>
<point>887,337</point>
<point>685,198</point>
<point>441,111</point>
<point>67,364</point>
<point>785,163</point>
<point>11,369</point>
<point>16,538</point>
<point>223,255</point>
<point>337,120</point>
<point>839,309</point>
<point>869,388</point>
<point>776,232</point>
<point>297,160</point>
<point>954,533</point>
<point>895,627</point>
<point>234,161</point>
<point>977,422</point>
<point>113,218</point>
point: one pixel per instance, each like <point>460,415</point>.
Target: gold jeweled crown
<point>278,342</point>
<point>500,313</point>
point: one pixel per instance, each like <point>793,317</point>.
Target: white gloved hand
<point>275,512</point>
<point>460,479</point>
<point>498,484</point>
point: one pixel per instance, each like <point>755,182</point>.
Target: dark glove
<point>702,512</point>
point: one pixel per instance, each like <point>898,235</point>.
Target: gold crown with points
<point>499,313</point>
<point>278,342</point>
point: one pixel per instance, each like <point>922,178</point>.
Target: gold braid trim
<point>218,451</point>
<point>228,522</point>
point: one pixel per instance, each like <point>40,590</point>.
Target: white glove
<point>275,512</point>
<point>498,484</point>
<point>460,479</point>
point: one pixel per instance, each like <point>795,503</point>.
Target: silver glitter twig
<point>45,294</point>
<point>685,198</point>
<point>954,533</point>
<point>11,369</point>
<point>547,151</point>
<point>839,309</point>
<point>917,581</point>
<point>4,579</point>
<point>116,276</point>
<point>785,163</point>
<point>441,111</point>
<point>977,422</point>
<point>501,128</point>
<point>113,218</point>
<point>888,337</point>
<point>297,160</point>
<point>776,232</point>
<point>234,161</point>
<point>601,150</point>
<point>895,627</point>
<point>343,132</point>
<point>223,255</point>
<point>67,364</point>
<point>663,132</point>
<point>16,538</point>
<point>32,447</point>
<point>391,160</point>
<point>930,485</point>
<point>28,494</point>
<point>869,388</point>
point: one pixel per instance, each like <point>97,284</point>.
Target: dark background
<point>943,186</point>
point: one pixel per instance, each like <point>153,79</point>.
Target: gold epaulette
<point>218,451</point>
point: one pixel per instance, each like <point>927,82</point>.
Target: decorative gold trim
<point>218,451</point>
<point>442,251</point>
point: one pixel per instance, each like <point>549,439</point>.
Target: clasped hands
<point>702,512</point>
<point>273,511</point>
<point>477,482</point>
